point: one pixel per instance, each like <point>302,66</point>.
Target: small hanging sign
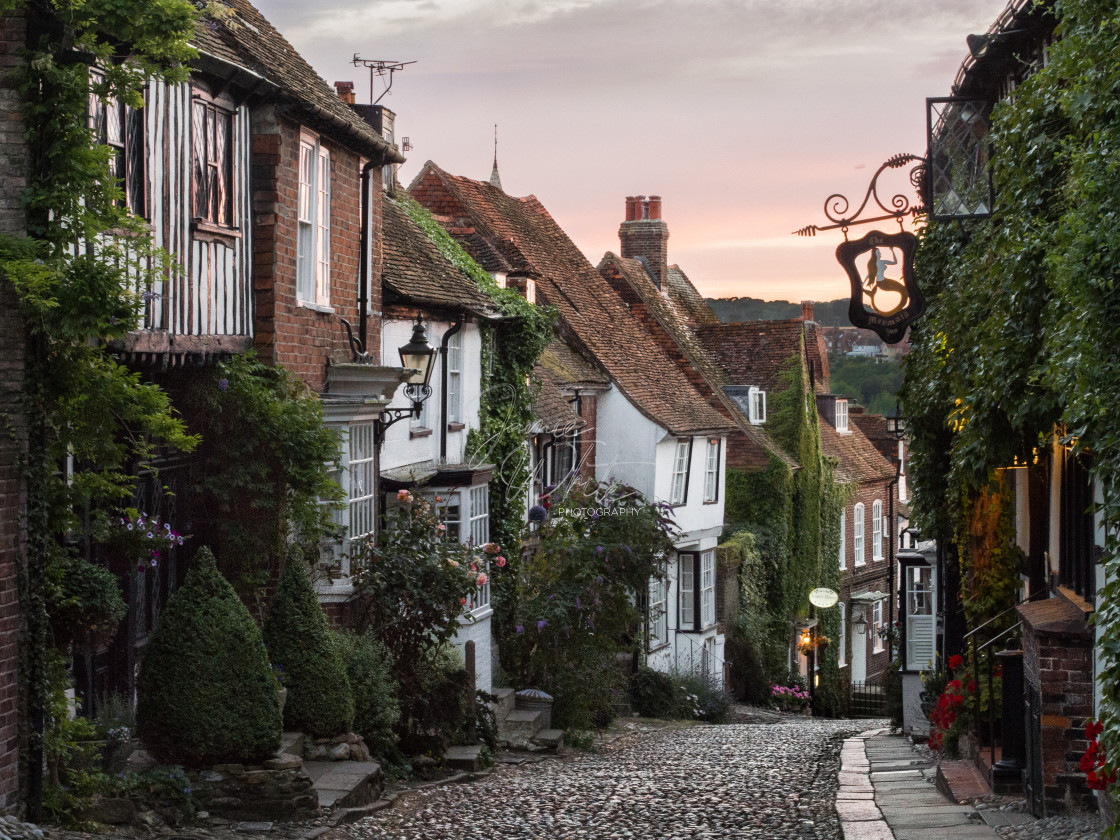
<point>885,298</point>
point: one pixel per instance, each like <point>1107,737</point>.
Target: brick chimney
<point>345,91</point>
<point>644,236</point>
<point>806,310</point>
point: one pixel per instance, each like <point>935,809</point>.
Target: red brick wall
<point>13,165</point>
<point>874,575</point>
<point>647,238</point>
<point>1061,668</point>
<point>301,339</point>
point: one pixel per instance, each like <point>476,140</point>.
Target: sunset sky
<point>742,114</point>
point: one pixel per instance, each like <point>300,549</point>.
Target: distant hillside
<point>832,313</point>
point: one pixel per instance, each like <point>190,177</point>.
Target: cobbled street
<point>765,782</point>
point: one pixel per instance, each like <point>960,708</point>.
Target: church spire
<point>495,178</point>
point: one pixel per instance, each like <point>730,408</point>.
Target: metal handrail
<point>999,636</point>
<point>699,648</point>
<point>1030,597</point>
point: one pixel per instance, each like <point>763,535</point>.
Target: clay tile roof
<point>688,299</point>
<point>564,365</point>
<point>415,270</point>
<point>525,233</point>
<point>859,462</point>
<point>246,39</point>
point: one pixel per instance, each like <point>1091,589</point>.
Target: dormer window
<point>757,406</point>
<point>842,415</point>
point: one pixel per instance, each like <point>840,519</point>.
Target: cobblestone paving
<point>775,781</point>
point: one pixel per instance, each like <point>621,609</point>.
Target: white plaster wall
<point>478,632</point>
<point>695,515</point>
<point>625,442</point>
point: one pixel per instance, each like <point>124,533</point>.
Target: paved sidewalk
<point>887,793</point>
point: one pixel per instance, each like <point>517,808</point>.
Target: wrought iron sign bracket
<point>836,206</point>
<point>416,394</point>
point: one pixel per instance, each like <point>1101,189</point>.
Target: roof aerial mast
<point>380,67</point>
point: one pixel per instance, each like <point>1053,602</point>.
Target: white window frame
<point>686,591</point>
<point>707,588</point>
<point>877,530</point>
<point>711,471</point>
<point>841,415</point>
<point>877,645</point>
<point>313,234</point>
<point>858,555</point>
<point>479,507</point>
<point>843,540</point>
<point>757,400</point>
<point>658,615</point>
<point>454,362</point>
<point>678,494</point>
<point>842,642</point>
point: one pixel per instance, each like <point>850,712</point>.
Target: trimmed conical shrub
<point>206,693</point>
<point>376,711</point>
<point>320,703</point>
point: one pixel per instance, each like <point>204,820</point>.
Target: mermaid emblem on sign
<point>885,297</point>
<point>881,294</point>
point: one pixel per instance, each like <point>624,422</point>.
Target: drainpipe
<point>363,256</point>
<point>890,560</point>
<point>458,325</point>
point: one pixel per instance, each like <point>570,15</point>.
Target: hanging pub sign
<point>880,268</point>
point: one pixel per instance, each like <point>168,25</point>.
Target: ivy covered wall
<point>793,517</point>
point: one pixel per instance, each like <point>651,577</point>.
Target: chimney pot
<point>345,91</point>
<point>654,206</point>
<point>639,207</point>
<point>630,202</point>
<point>806,310</point>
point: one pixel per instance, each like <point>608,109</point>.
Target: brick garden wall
<point>1059,666</point>
<point>13,165</point>
<point>302,339</point>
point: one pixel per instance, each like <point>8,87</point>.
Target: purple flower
<point>542,624</point>
<point>599,548</point>
<point>150,295</point>
<point>223,383</point>
<point>520,628</point>
<point>578,607</point>
<point>552,597</point>
<point>537,514</point>
<point>599,579</point>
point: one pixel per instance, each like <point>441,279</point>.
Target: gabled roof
<point>858,460</point>
<point>688,299</point>
<point>756,352</point>
<point>530,241</point>
<point>414,269</point>
<point>673,322</point>
<point>247,40</point>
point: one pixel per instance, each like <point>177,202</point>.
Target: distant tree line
<point>832,313</point>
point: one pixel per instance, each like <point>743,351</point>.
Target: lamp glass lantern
<point>418,356</point>
<point>859,624</point>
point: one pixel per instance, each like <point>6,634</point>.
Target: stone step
<point>505,703</point>
<point>518,728</point>
<point>549,739</point>
<point>463,757</point>
<point>345,784</point>
<point>292,743</point>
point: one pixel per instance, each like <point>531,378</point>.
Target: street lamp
<point>419,357</point>
<point>859,625</point>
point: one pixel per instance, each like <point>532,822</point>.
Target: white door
<point>859,650</point>
<point>919,617</point>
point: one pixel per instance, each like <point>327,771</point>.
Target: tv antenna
<point>380,67</point>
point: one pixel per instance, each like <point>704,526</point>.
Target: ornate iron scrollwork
<point>897,207</point>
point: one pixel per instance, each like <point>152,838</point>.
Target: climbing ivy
<point>1021,342</point>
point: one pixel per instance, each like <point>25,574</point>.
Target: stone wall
<point>280,789</point>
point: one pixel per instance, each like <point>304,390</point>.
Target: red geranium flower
<point>1093,728</point>
<point>956,661</point>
